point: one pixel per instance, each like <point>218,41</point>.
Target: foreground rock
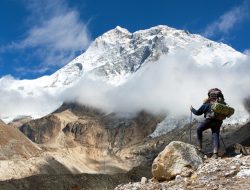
<point>177,158</point>
<point>225,173</point>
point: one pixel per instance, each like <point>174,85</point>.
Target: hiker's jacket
<point>204,109</point>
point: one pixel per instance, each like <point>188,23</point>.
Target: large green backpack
<point>218,108</point>
<point>221,111</point>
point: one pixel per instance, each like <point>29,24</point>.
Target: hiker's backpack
<point>218,108</point>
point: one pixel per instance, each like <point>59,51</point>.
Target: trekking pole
<point>223,142</point>
<point>190,127</point>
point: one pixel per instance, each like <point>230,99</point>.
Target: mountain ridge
<point>117,55</point>
<point>150,35</point>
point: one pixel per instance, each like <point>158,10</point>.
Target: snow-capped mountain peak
<point>118,54</point>
<point>117,31</point>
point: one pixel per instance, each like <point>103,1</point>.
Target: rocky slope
<point>14,145</point>
<point>78,139</point>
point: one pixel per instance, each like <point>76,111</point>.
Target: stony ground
<point>231,173</point>
<point>74,181</point>
<point>65,182</point>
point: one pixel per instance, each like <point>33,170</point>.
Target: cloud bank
<point>168,86</point>
<point>15,103</point>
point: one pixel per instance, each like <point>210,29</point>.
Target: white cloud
<point>56,34</point>
<point>228,20</point>
<point>60,33</point>
<point>16,103</point>
<point>171,85</point>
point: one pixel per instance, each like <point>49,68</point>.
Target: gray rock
<point>144,180</point>
<point>177,158</point>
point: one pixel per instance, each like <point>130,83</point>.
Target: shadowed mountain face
<point>42,130</point>
<point>90,127</point>
<point>111,131</point>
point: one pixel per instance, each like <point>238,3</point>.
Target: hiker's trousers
<point>214,125</point>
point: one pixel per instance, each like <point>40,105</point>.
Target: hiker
<point>210,122</point>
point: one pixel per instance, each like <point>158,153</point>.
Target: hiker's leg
<point>215,127</point>
<point>202,127</point>
<point>216,140</point>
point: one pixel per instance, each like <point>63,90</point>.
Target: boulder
<point>177,158</point>
<point>238,149</point>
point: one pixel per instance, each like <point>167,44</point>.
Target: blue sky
<point>39,37</point>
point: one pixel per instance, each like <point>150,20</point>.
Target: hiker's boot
<point>215,156</point>
<point>215,153</point>
<point>200,147</point>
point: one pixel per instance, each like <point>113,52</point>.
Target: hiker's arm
<point>200,111</point>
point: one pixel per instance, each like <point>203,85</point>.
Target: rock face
<point>91,128</point>
<point>177,158</point>
<point>111,131</point>
<point>42,130</point>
